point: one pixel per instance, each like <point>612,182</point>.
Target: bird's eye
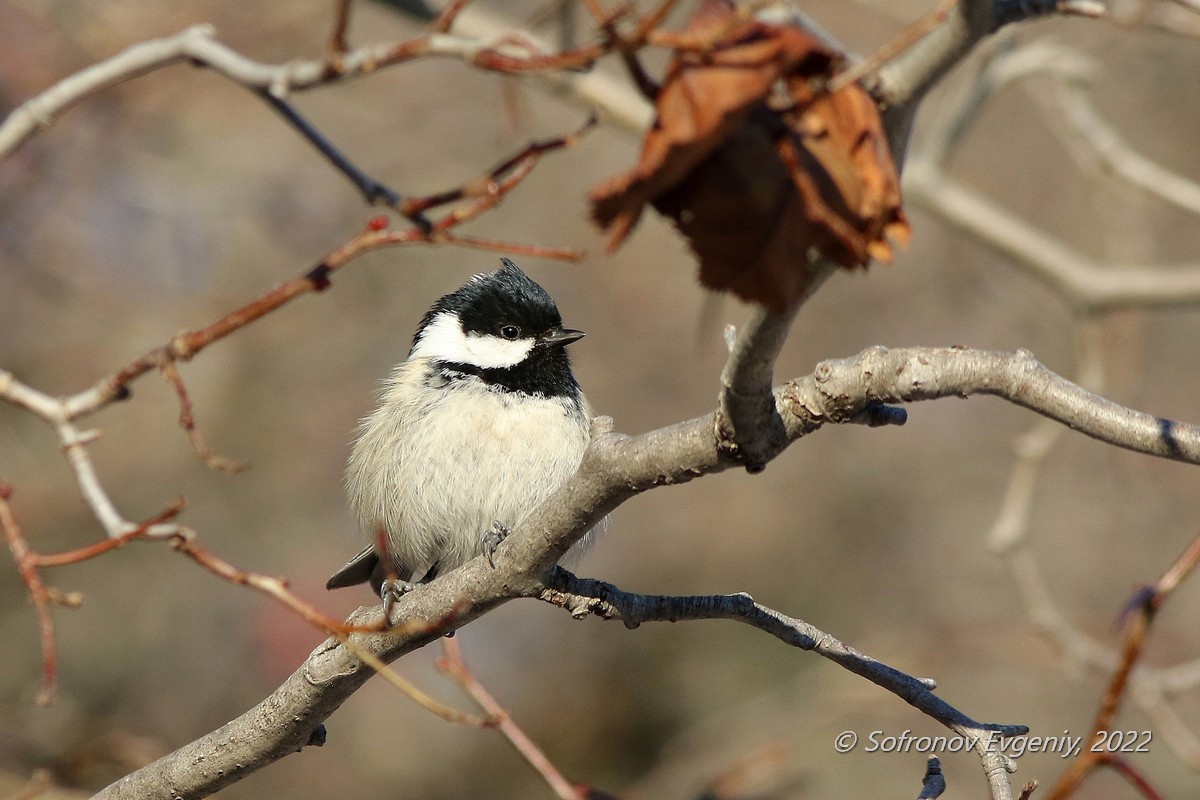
<point>510,332</point>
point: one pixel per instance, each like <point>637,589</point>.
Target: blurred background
<point>166,202</point>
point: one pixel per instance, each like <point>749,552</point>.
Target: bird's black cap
<point>488,302</point>
<point>492,304</point>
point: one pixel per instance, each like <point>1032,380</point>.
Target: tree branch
<point>1072,274</point>
<point>904,79</point>
<point>615,468</point>
<point>583,596</point>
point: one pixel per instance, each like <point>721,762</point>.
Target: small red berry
<point>377,223</point>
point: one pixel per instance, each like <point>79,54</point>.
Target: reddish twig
<point>651,21</point>
<point>187,421</point>
<point>600,14</point>
<point>514,248</point>
<point>493,183</point>
<point>1140,612</point>
<point>450,13</point>
<point>701,41</point>
<point>453,665</point>
<point>40,595</point>
<point>272,587</point>
<point>425,701</point>
<point>337,46</point>
<point>112,543</point>
<point>38,784</point>
<point>904,40</point>
<point>1027,790</point>
<point>28,562</point>
<point>1129,773</point>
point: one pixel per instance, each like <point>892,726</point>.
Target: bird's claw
<point>492,538</point>
<point>391,590</point>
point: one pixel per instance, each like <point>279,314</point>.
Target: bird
<point>480,424</point>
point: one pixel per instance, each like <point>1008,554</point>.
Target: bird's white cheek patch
<point>444,340</point>
<point>492,351</point>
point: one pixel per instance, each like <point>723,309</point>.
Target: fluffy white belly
<point>435,475</point>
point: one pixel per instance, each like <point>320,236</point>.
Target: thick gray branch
<point>748,424</point>
<point>615,468</point>
<point>749,427</point>
<point>906,78</point>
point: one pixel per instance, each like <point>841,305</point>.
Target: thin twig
<point>904,40</point>
<point>452,663</point>
<point>494,183</point>
<point>1145,606</point>
<point>513,248</point>
<point>1113,153</point>
<point>40,782</point>
<point>374,192</point>
<point>142,531</point>
<point>337,46</point>
<point>421,698</point>
<point>187,421</point>
<point>450,13</point>
<point>276,588</point>
<point>1076,277</point>
<point>37,592</point>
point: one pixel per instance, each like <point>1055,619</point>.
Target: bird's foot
<point>391,590</point>
<point>492,538</point>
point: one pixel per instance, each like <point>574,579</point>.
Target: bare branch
<point>908,37</point>
<point>341,22</point>
<point>198,45</point>
<point>583,596</point>
<point>449,14</point>
<point>1114,154</point>
<point>1076,277</point>
<point>453,664</point>
<point>905,78</point>
<point>616,467</point>
<point>38,592</point>
<point>1143,608</point>
<point>748,424</point>
<point>425,701</point>
<point>187,421</point>
<point>373,191</point>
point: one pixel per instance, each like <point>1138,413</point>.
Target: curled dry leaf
<point>757,164</point>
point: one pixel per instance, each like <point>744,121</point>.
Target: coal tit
<point>480,424</point>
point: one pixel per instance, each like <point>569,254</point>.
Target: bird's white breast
<point>435,467</point>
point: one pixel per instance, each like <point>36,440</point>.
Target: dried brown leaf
<point>754,187</point>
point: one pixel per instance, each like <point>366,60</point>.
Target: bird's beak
<point>562,337</point>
